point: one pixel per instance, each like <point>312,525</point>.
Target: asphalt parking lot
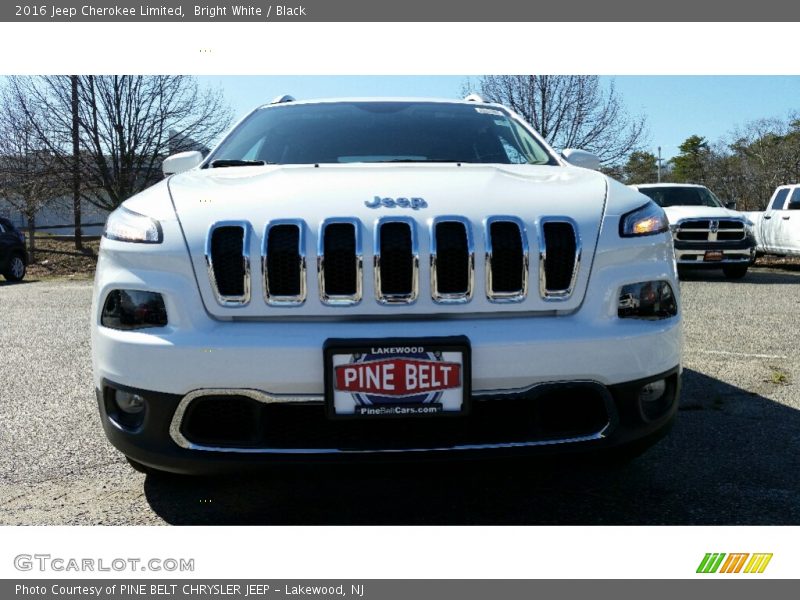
<point>732,457</point>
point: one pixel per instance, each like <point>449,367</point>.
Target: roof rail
<point>474,98</point>
<point>282,99</point>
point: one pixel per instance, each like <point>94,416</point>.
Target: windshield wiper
<point>416,160</point>
<point>237,162</point>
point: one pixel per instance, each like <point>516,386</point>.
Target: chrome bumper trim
<point>266,398</point>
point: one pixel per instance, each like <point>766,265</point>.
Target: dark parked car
<point>13,258</point>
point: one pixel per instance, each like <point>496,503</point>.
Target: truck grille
<point>395,260</point>
<point>710,230</point>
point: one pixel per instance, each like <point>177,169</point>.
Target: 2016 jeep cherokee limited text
<point>383,277</point>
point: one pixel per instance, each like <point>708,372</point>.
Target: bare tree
<point>750,162</point>
<point>126,126</point>
<point>29,175</point>
<point>76,162</point>
<point>570,111</point>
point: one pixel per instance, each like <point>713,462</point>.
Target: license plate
<point>713,255</point>
<point>397,377</point>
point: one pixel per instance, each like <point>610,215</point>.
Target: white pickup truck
<point>707,233</point>
<point>777,229</point>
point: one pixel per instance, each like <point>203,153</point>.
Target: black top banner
<point>402,11</point>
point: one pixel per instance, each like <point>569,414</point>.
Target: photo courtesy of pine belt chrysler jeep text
<point>378,278</point>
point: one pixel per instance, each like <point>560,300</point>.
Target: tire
<point>16,268</point>
<point>735,271</point>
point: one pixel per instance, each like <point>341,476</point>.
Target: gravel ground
<point>732,458</point>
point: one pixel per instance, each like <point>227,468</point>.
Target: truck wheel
<point>735,271</point>
<point>16,269</point>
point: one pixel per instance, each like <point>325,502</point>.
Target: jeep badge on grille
<point>415,203</point>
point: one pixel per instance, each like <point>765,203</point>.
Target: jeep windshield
<point>379,132</point>
<point>682,196</point>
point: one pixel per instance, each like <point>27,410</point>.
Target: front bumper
<point>562,417</point>
<point>733,253</point>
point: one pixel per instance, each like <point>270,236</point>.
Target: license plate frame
<point>447,347</point>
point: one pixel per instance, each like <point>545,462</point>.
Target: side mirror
<point>581,158</point>
<point>183,161</point>
<point>731,205</point>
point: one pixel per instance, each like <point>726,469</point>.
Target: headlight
<point>646,220</point>
<point>125,225</point>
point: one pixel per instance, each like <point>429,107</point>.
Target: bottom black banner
<point>389,589</point>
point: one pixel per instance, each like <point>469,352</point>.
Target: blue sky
<point>675,106</point>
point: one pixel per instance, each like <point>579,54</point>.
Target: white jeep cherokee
<point>378,277</point>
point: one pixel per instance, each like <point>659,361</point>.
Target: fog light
<point>656,398</point>
<point>132,404</point>
<point>125,409</point>
<point>133,309</point>
<point>647,300</point>
<point>652,391</point>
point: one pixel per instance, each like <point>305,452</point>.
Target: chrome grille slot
<point>731,225</point>
<point>228,261</point>
<point>506,259</point>
<point>693,236</point>
<point>340,262</point>
<point>452,260</point>
<point>731,231</point>
<point>284,263</point>
<point>396,261</point>
<point>559,257</point>
<point>702,224</point>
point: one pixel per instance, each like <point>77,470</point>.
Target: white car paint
<point>777,228</point>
